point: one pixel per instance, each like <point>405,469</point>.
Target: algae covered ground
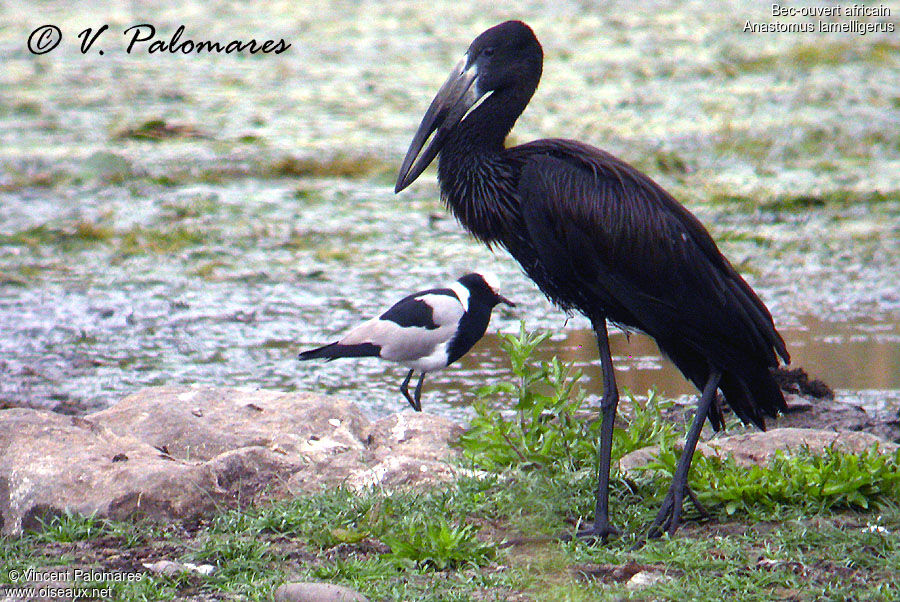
<point>171,218</point>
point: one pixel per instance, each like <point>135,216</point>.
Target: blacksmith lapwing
<point>426,331</point>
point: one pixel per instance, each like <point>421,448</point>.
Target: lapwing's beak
<point>502,299</point>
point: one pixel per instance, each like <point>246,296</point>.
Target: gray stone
<point>51,463</point>
<point>838,416</point>
<point>182,452</point>
<point>229,419</point>
<point>759,448</point>
<point>630,463</point>
<point>409,449</point>
<point>414,434</point>
<point>645,579</point>
<point>316,592</point>
<point>170,568</point>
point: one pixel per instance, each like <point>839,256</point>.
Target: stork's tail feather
<point>750,389</point>
<point>336,350</point>
<point>753,398</point>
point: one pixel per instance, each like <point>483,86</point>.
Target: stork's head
<point>506,57</point>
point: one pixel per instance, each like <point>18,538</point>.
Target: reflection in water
<point>850,357</point>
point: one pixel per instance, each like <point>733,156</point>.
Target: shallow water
<point>268,224</point>
<point>860,360</point>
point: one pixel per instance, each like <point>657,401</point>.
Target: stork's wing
<point>607,227</point>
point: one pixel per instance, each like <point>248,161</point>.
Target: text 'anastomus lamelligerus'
<point>600,237</point>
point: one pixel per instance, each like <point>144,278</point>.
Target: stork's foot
<point>597,532</point>
<point>704,513</point>
<point>664,522</point>
<point>667,519</point>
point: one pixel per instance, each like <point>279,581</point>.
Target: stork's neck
<point>485,128</point>
<point>476,182</point>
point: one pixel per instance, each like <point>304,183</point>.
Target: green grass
<point>80,235</point>
<point>77,235</point>
<point>439,546</point>
<point>399,546</point>
<point>814,55</point>
<point>339,166</point>
<point>152,240</point>
<point>801,202</point>
<point>803,528</point>
<point>155,130</point>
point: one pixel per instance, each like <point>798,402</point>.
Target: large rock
<point>401,450</point>
<point>758,448</point>
<point>50,463</point>
<point>180,452</point>
<point>407,448</point>
<point>806,412</point>
<point>200,423</point>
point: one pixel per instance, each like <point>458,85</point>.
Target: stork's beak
<point>453,100</point>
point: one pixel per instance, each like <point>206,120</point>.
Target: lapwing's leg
<point>669,516</point>
<point>404,388</point>
<point>601,528</point>
<point>418,394</point>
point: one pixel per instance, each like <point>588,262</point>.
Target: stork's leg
<point>669,515</point>
<point>602,529</point>
<point>404,388</point>
<point>418,394</point>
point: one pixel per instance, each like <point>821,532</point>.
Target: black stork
<point>600,237</point>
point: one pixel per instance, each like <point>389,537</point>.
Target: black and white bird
<point>426,331</point>
<point>600,237</point>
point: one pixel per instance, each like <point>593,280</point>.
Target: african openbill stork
<point>600,237</point>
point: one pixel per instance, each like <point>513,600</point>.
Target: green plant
<point>545,431</point>
<point>817,482</point>
<point>439,546</point>
<point>245,564</point>
<point>551,427</point>
<point>69,527</point>
<point>645,426</point>
<point>331,517</point>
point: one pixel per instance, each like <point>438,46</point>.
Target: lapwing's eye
<point>487,52</point>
